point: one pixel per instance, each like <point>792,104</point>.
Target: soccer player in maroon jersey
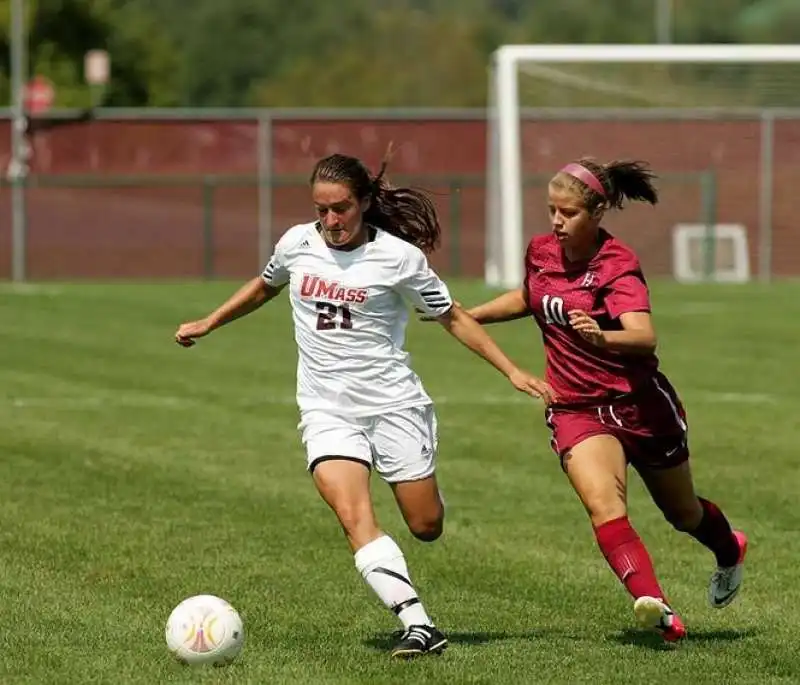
<point>586,291</point>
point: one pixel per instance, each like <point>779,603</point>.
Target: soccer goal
<point>702,115</point>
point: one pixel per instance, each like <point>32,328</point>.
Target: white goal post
<point>505,179</point>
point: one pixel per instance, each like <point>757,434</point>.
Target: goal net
<point>712,120</point>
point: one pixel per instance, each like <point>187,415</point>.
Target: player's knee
<point>602,511</point>
<point>427,529</point>
<point>684,520</point>
<point>428,533</point>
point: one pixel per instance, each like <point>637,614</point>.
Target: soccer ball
<point>204,629</point>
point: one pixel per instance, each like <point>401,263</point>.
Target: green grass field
<point>134,473</point>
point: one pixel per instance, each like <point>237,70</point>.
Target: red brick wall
<point>157,226</point>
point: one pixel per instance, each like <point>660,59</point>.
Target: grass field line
<point>671,309</point>
<point>148,401</point>
<point>29,289</point>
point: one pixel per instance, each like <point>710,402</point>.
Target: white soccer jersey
<point>350,313</point>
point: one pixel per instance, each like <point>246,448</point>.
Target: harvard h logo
<point>588,279</point>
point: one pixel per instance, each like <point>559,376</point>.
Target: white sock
<point>383,566</point>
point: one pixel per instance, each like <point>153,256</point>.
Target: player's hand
<point>187,333</point>
<point>586,327</point>
<point>531,385</point>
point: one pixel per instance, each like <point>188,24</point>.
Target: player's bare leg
<point>673,492</point>
<point>421,504</point>
<point>344,485</point>
<point>597,470</point>
<point>422,508</point>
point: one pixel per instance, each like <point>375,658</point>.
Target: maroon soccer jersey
<point>608,285</point>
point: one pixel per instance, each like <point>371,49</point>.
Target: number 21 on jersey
<point>554,310</point>
<point>331,316</point>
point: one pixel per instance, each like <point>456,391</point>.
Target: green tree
<point>697,22</point>
<point>583,21</point>
<point>60,32</point>
<point>770,21</point>
<point>405,59</point>
<point>380,52</point>
<point>228,47</point>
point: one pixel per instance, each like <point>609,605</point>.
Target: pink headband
<point>584,175</point>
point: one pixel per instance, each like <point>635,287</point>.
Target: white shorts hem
<point>316,461</point>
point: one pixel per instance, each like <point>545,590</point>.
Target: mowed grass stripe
<point>112,513</point>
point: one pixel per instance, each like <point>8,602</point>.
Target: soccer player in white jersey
<point>350,275</point>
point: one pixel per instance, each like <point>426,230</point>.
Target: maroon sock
<point>715,532</point>
<point>626,554</point>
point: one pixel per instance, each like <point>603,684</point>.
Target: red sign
<point>39,95</point>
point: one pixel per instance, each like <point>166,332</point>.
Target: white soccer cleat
<point>653,613</point>
<point>727,580</point>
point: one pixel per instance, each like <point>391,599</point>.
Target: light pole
<point>663,12</point>
<point>18,167</point>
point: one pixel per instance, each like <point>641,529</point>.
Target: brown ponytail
<point>621,181</point>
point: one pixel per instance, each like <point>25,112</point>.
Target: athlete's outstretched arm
<point>247,299</point>
<point>636,337</point>
<point>468,331</point>
<point>507,307</point>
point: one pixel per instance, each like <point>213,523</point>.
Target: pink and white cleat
<point>727,580</point>
<point>654,614</point>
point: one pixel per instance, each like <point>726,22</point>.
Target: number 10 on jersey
<point>331,316</point>
<point>554,310</point>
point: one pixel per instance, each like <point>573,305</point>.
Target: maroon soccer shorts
<point>650,423</point>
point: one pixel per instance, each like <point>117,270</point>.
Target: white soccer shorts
<point>400,445</point>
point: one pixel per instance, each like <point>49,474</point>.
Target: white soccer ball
<point>204,629</point>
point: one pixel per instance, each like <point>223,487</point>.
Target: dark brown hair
<point>622,181</point>
<point>406,213</point>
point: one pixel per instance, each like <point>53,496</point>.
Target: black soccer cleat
<point>419,640</point>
